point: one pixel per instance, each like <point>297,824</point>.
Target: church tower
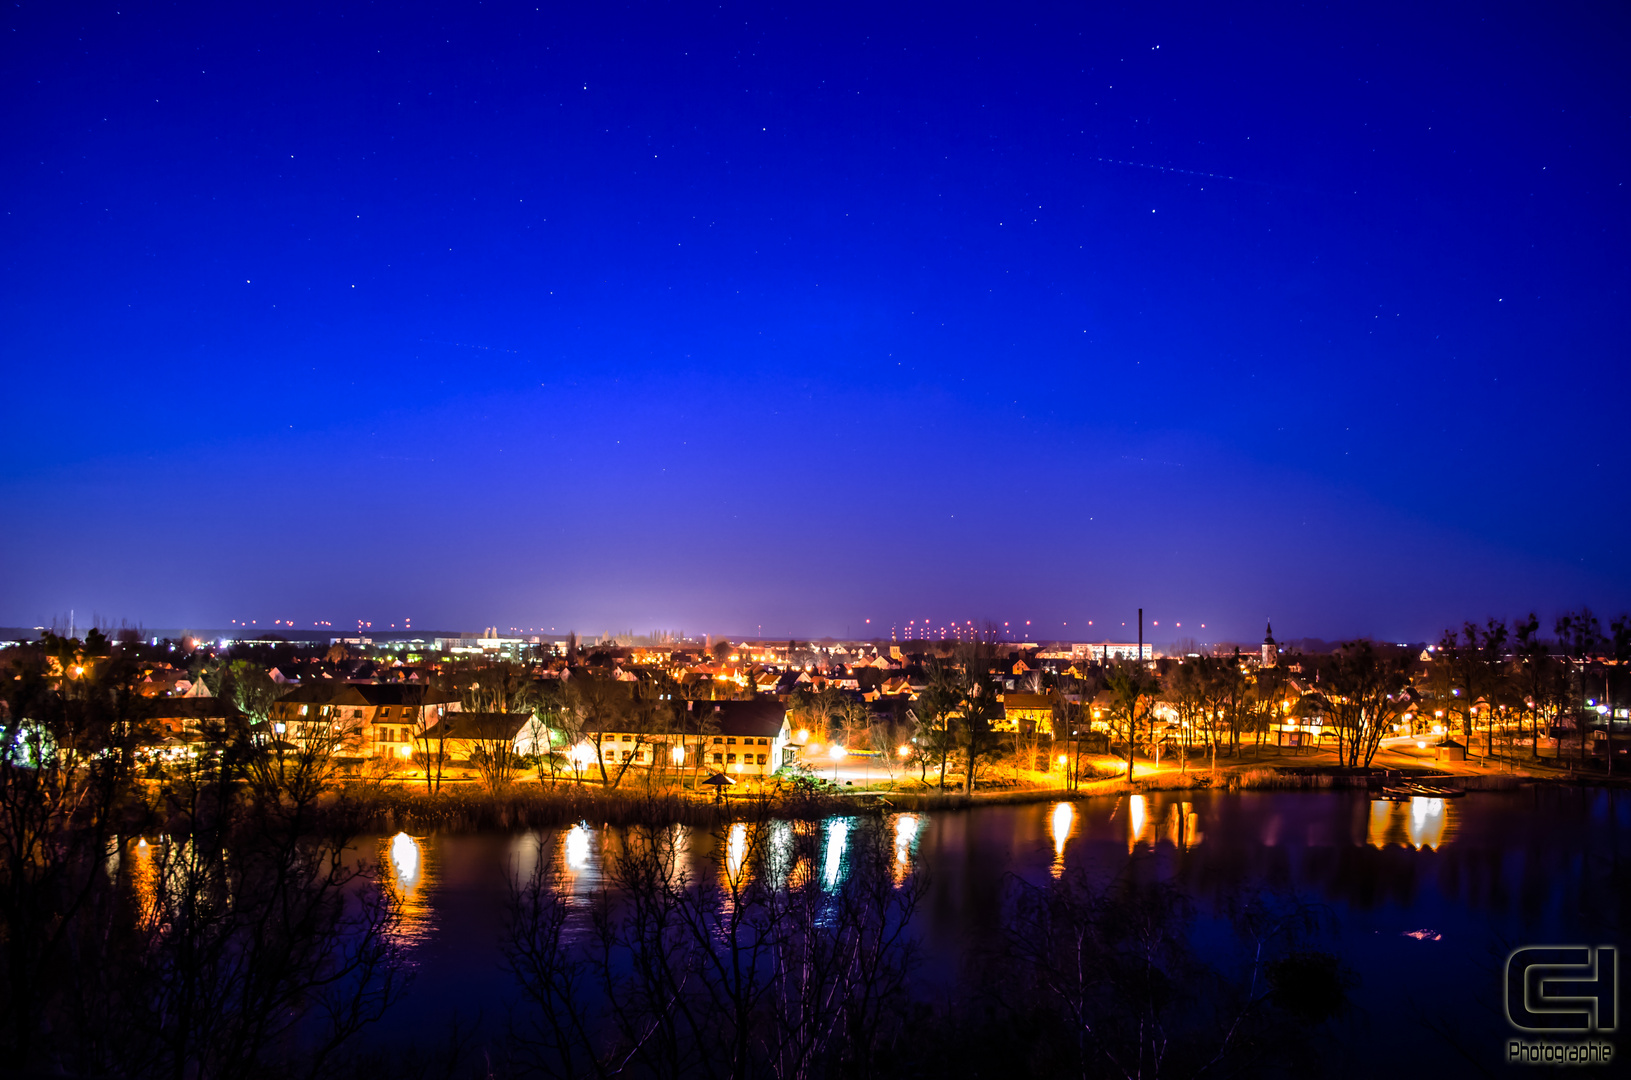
<point>1271,651</point>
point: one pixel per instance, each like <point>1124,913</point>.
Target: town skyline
<point>1169,639</point>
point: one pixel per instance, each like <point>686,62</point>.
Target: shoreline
<point>464,807</point>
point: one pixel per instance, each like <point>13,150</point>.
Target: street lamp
<point>837,754</point>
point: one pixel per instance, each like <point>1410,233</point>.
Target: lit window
<point>732,758</point>
<point>761,759</point>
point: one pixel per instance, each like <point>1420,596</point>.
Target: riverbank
<point>464,806</point>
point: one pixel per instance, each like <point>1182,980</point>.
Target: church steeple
<point>1271,651</point>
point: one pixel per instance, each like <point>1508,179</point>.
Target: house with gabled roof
<point>368,719</point>
<point>1027,713</point>
<point>750,737</point>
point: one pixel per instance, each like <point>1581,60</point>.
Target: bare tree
<point>605,706</point>
<point>754,966</point>
<point>1133,693</point>
<point>1365,695</point>
<point>200,955</point>
<point>1580,633</point>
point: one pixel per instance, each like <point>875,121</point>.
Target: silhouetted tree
<point>1133,693</point>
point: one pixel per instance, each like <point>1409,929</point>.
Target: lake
<point>1425,898</point>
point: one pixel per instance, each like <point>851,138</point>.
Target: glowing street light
<point>580,756</point>
<point>837,754</point>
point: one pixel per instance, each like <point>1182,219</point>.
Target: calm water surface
<point>1425,898</point>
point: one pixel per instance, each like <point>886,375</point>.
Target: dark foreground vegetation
<point>774,963</point>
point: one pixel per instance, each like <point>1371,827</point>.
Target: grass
<point>466,808</point>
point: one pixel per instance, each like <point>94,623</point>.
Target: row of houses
<point>397,720</point>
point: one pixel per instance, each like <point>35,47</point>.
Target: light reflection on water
<point>1061,822</point>
<point>1183,825</point>
<point>802,853</point>
<point>144,880</point>
<point>405,861</point>
<point>1426,822</point>
<point>406,881</point>
<point>906,826</point>
<point>837,840</point>
<point>1423,822</point>
<point>1480,867</point>
<point>736,853</point>
<point>1135,821</point>
<point>576,848</point>
<point>779,862</point>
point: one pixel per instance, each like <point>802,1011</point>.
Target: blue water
<point>1423,900</point>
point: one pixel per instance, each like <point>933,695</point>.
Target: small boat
<point>1410,789</point>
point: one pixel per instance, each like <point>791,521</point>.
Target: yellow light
<point>904,750</point>
<point>678,754</point>
<point>804,735</point>
<point>405,860</point>
<point>577,847</point>
<point>1063,816</point>
<point>1063,759</point>
<point>836,752</point>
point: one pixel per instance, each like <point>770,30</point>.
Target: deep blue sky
<point>726,316</point>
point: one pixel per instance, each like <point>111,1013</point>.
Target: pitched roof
<point>760,717</point>
<point>1027,701</point>
<point>403,694</point>
<point>339,693</point>
<point>489,726</point>
<point>189,708</point>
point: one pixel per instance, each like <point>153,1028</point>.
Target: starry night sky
<point>732,317</point>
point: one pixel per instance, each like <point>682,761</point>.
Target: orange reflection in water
<point>575,847</point>
<point>405,879</point>
<point>1420,823</point>
<point>1380,811</point>
<point>1183,826</point>
<point>1061,823</point>
<point>736,853</point>
<point>1426,827</point>
<point>1136,814</point>
<point>144,881</point>
<point>905,836</point>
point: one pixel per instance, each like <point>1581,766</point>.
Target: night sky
<point>776,318</point>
